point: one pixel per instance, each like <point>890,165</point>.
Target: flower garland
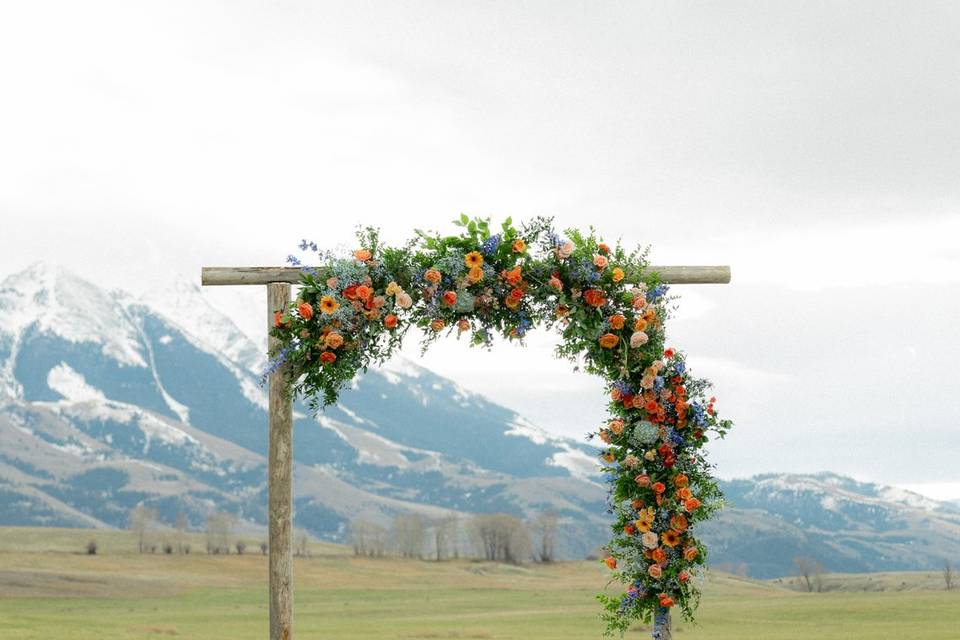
<point>610,310</point>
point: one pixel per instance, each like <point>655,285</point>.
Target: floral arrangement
<point>610,309</point>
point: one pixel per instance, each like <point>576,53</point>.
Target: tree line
<point>496,537</point>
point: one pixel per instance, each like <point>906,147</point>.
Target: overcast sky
<point>813,146</point>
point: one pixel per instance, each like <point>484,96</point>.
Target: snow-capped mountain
<point>110,400</point>
<point>107,401</point>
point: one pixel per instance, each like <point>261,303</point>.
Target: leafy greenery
<point>609,308</point>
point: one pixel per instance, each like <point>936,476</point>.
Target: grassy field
<point>49,589</point>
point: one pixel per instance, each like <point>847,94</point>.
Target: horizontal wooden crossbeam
<point>265,275</point>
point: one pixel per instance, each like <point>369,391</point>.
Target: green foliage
<point>610,310</point>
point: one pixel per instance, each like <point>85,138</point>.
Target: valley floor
<point>50,593</point>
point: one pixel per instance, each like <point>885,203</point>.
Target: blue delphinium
<point>657,292</point>
<point>490,245</point>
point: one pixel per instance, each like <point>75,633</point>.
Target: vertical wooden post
<point>280,482</point>
<point>662,628</point>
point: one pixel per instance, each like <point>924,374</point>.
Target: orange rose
<point>617,274</point>
<point>437,324</point>
<point>277,318</point>
<point>684,493</point>
<point>600,262</point>
<point>519,246</point>
<point>684,576</point>
<point>603,248</point>
<point>364,292</point>
<point>659,487</point>
<point>681,480</point>
<point>463,324</point>
<point>514,276</point>
<point>432,275</point>
<point>616,426</point>
<point>333,340</point>
<point>450,298</point>
<point>691,505</point>
<point>659,555</point>
<point>679,522</point>
<point>390,321</point>
<point>690,553</point>
<point>328,357</point>
<point>609,340</point>
<point>595,297</point>
<point>306,311</point>
<point>556,283</point>
<point>639,324</point>
<point>562,311</point>
<point>511,302</point>
<point>516,294</point>
<point>665,600</point>
<point>617,321</point>
<point>611,562</point>
<point>362,254</point>
<point>605,436</point>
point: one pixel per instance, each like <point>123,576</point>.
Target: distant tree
<point>241,547</point>
<point>263,548</point>
<point>142,521</point>
<point>168,548</point>
<point>544,529</point>
<point>501,538</point>
<point>218,530</point>
<point>92,548</point>
<point>180,526</point>
<point>301,547</point>
<point>408,533</point>
<point>811,574</point>
<point>367,538</point>
<point>949,574</point>
<point>445,532</point>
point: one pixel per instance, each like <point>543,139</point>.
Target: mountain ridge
<point>107,401</point>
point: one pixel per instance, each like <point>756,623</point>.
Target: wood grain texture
<point>280,483</point>
<point>213,276</point>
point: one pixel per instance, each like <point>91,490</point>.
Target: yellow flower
<point>670,538</point>
<point>328,304</point>
<point>475,275</point>
<point>473,259</point>
<point>393,288</point>
<point>617,274</point>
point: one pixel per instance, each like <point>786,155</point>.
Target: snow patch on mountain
<point>183,304</point>
<point>72,385</point>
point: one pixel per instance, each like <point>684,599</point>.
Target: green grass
<point>124,595</point>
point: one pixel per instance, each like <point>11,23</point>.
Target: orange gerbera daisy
<point>475,275</point>
<point>328,304</point>
<point>670,538</point>
<point>473,259</point>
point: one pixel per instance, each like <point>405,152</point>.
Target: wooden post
<point>280,482</point>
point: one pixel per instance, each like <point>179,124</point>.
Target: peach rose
<point>690,553</point>
<point>616,426</point>
<point>432,275</point>
<point>565,250</point>
<point>437,324</point>
<point>643,480</point>
<point>463,324</point>
<point>404,301</point>
<point>362,254</point>
<point>638,339</point>
<point>655,571</point>
<point>649,540</point>
<point>600,262</point>
<point>333,340</point>
<point>475,275</point>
